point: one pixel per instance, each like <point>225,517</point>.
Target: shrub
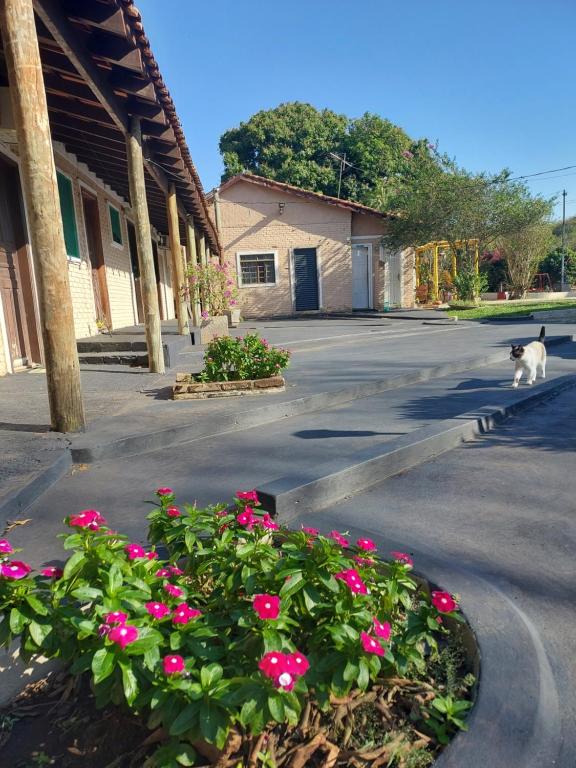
<point>469,285</point>
<point>243,626</point>
<point>233,359</point>
<point>213,285</point>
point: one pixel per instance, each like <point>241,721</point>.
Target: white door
<point>395,279</point>
<point>360,276</point>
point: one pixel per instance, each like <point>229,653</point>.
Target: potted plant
<point>213,286</point>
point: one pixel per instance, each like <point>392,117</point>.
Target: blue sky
<point>493,81</point>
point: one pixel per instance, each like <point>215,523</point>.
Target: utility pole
<point>563,271</point>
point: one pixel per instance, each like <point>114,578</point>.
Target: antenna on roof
<point>343,162</point>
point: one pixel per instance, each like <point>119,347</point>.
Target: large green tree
<point>446,202</point>
<point>297,143</point>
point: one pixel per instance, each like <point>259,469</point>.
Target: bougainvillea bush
<point>246,643</point>
<point>229,358</point>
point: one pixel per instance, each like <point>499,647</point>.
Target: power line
<point>541,173</point>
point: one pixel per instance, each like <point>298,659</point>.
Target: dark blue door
<point>305,279</point>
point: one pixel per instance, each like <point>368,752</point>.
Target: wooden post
<point>476,259</point>
<point>178,282</point>
<point>204,260</point>
<point>144,247</point>
<point>38,176</point>
<point>454,262</point>
<point>435,280</point>
<point>193,259</point>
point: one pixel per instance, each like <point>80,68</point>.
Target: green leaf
<point>152,657</point>
<point>129,682</point>
<point>247,712</point>
<point>293,585</point>
<point>187,719</point>
<point>311,597</point>
<point>17,621</point>
<point>39,632</point>
<point>276,707</point>
<point>36,605</point>
<point>87,594</point>
<point>364,674</point>
<point>115,579</point>
<point>213,723</point>
<point>350,671</point>
<point>210,675</point>
<point>147,639</point>
<point>102,664</point>
<point>74,564</point>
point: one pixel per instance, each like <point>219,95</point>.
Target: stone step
<point>132,359</point>
<point>110,345</point>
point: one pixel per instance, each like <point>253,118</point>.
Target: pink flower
<point>173,512</point>
<point>266,606</point>
<point>367,561</point>
<point>174,571</point>
<point>268,523</point>
<point>285,681</point>
<point>310,531</point>
<point>52,572</point>
<point>134,551</point>
<point>124,634</point>
<point>247,496</point>
<point>351,577</point>
<point>302,664</point>
<point>14,570</point>
<point>205,314</point>
<point>339,539</point>
<point>164,492</point>
<point>89,518</point>
<point>115,617</point>
<point>366,544</point>
<point>5,547</point>
<point>162,573</point>
<point>444,602</point>
<point>407,154</point>
<point>383,630</point>
<point>182,614</point>
<point>246,518</point>
<point>403,557</point>
<point>274,663</point>
<point>157,610</point>
<point>151,555</point>
<point>371,645</point>
<point>173,590</point>
<point>173,665</point>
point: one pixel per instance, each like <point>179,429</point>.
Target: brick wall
<point>252,220</point>
<point>116,257</point>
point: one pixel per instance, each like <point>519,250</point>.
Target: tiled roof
<point>299,192</point>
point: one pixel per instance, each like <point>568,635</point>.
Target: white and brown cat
<point>530,359</point>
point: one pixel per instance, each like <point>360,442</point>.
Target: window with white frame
<point>257,268</point>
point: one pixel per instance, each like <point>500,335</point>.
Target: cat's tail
<point>542,334</point>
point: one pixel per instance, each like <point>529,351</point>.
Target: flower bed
<point>249,644</point>
<point>188,387</point>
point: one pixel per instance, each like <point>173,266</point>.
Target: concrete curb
<point>15,504</point>
<point>335,480</point>
<point>90,448</point>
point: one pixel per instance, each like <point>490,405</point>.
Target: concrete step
<point>319,485</point>
<point>111,357</point>
<point>110,344</point>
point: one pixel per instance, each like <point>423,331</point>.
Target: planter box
<point>211,327</point>
<point>233,316</point>
<point>187,388</point>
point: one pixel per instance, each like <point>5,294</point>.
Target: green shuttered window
<point>115,225</point>
<point>68,215</point>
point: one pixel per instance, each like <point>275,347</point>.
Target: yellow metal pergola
<point>435,248</point>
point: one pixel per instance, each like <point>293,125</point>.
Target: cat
<point>529,359</point>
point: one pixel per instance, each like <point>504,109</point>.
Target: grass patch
<point>509,309</point>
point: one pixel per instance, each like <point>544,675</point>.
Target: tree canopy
<point>296,143</point>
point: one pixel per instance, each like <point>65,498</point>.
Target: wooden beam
<point>144,247</point>
<point>192,254</point>
<point>178,282</point>
<point>80,110</point>
<point>87,128</point>
<point>40,187</point>
<point>50,12</point>
<point>131,82</point>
